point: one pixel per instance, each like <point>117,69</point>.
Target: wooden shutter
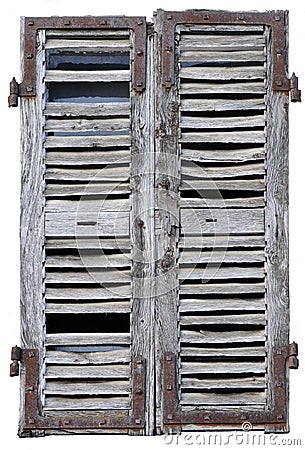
<point>221,170</point>
<point>154,237</point>
<point>85,364</point>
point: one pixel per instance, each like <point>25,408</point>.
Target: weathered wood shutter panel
<point>223,124</point>
<point>79,186</point>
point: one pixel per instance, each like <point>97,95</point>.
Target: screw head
<point>31,420</point>
<point>66,422</point>
<point>138,421</point>
<point>139,391</point>
<point>140,52</point>
<point>169,358</point>
<point>29,56</point>
<point>170,417</point>
<point>207,418</point>
<point>30,23</point>
<point>280,417</point>
<point>169,387</point>
<point>102,422</point>
<point>140,361</point>
<point>139,83</point>
<point>103,22</point>
<point>67,22</point>
<point>169,17</point>
<point>31,354</point>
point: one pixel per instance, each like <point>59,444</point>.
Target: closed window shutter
<point>222,287</point>
<point>154,240</point>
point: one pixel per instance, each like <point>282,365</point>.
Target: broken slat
<point>85,358</point>
<point>65,109</point>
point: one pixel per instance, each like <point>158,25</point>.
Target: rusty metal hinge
<point>36,424</point>
<point>293,351</point>
<point>14,93</point>
<point>173,415</point>
<point>16,357</point>
<point>295,92</point>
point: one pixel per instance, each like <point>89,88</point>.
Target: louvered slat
<point>221,248</point>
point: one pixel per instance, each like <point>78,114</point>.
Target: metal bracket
<point>27,88</point>
<point>173,415</point>
<point>35,422</point>
<point>16,357</point>
<point>274,19</point>
<point>295,93</point>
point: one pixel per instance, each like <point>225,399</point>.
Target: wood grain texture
<point>78,388</point>
<point>277,250</point>
<point>190,104</point>
<point>243,155</point>
<point>85,358</point>
<point>84,189</point>
<point>222,73</point>
<point>219,56</point>
<point>89,45</point>
<point>223,304</point>
<point>253,87</point>
<point>89,308</point>
<point>62,403</point>
<point>92,76</point>
<point>143,235</point>
<point>74,125</point>
<point>32,221</point>
<point>212,337</point>
<point>167,232</point>
<point>85,339</point>
<point>249,398</point>
<point>55,109</point>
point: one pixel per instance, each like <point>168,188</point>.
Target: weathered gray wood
<point>88,243</point>
<point>225,352</point>
<point>255,382</point>
<point>236,221</point>
<point>221,256</point>
<point>248,398</point>
<point>87,388</point>
<point>82,260</point>
<point>214,337</point>
<point>223,73</point>
<point>205,42</point>
<point>88,34</point>
<point>82,158</point>
<point>60,403</point>
<point>80,189</point>
<point>222,367</point>
<point>243,319</point>
<point>89,293</point>
<point>167,230</point>
<point>75,174</point>
<point>221,241</point>
<point>190,104</point>
<point>101,276</point>
<point>143,235</point>
<point>108,223</point>
<point>85,358</point>
<point>247,154</point>
<point>87,206</point>
<point>56,109</point>
<point>88,308</point>
<point>247,202</point>
<point>85,339</point>
<point>255,87</point>
<point>239,137</point>
<point>112,140</point>
<point>222,122</point>
<point>31,220</point>
<point>229,304</point>
<point>219,56</point>
<point>87,45</point>
<point>193,170</point>
<point>236,185</point>
<point>93,76</point>
<point>220,29</point>
<point>72,125</point>
<point>222,288</point>
<point>220,273</point>
<point>277,249</point>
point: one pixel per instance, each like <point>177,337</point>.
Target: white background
<point>10,188</point>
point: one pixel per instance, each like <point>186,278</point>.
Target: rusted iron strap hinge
<point>295,92</point>
<point>14,93</point>
<point>173,415</point>
<point>276,20</point>
<point>103,419</point>
<point>27,88</point>
<point>16,357</point>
